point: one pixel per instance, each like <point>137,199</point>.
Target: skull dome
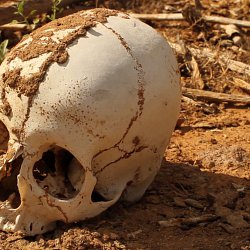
<point>88,105</point>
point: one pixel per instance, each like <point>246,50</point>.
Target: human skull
<point>88,105</point>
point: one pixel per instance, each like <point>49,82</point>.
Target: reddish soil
<point>200,199</point>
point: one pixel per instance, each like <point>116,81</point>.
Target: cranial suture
<point>88,105</point>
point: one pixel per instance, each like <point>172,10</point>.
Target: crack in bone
<point>60,33</point>
<point>71,27</point>
<point>140,92</point>
<point>139,69</point>
<point>124,156</point>
<point>57,207</point>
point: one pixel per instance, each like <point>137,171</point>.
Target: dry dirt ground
<point>200,199</point>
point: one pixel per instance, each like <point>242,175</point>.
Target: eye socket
<point>59,173</point>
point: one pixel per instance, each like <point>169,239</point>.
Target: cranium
<point>88,105</point>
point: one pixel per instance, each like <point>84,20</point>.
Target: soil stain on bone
<point>28,86</point>
<point>141,101</point>
<point>5,108</point>
<point>79,22</point>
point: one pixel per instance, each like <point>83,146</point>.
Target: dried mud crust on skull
<point>40,43</point>
<point>34,46</point>
<point>5,108</point>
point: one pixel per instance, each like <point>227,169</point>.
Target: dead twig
<point>14,26</point>
<point>214,96</point>
<point>194,203</point>
<point>226,20</point>
<point>196,75</point>
<point>193,221</point>
<point>192,66</point>
<point>233,65</point>
<point>159,17</point>
<point>179,17</point>
<point>242,84</point>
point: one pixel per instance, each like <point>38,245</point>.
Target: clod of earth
<point>88,105</point>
